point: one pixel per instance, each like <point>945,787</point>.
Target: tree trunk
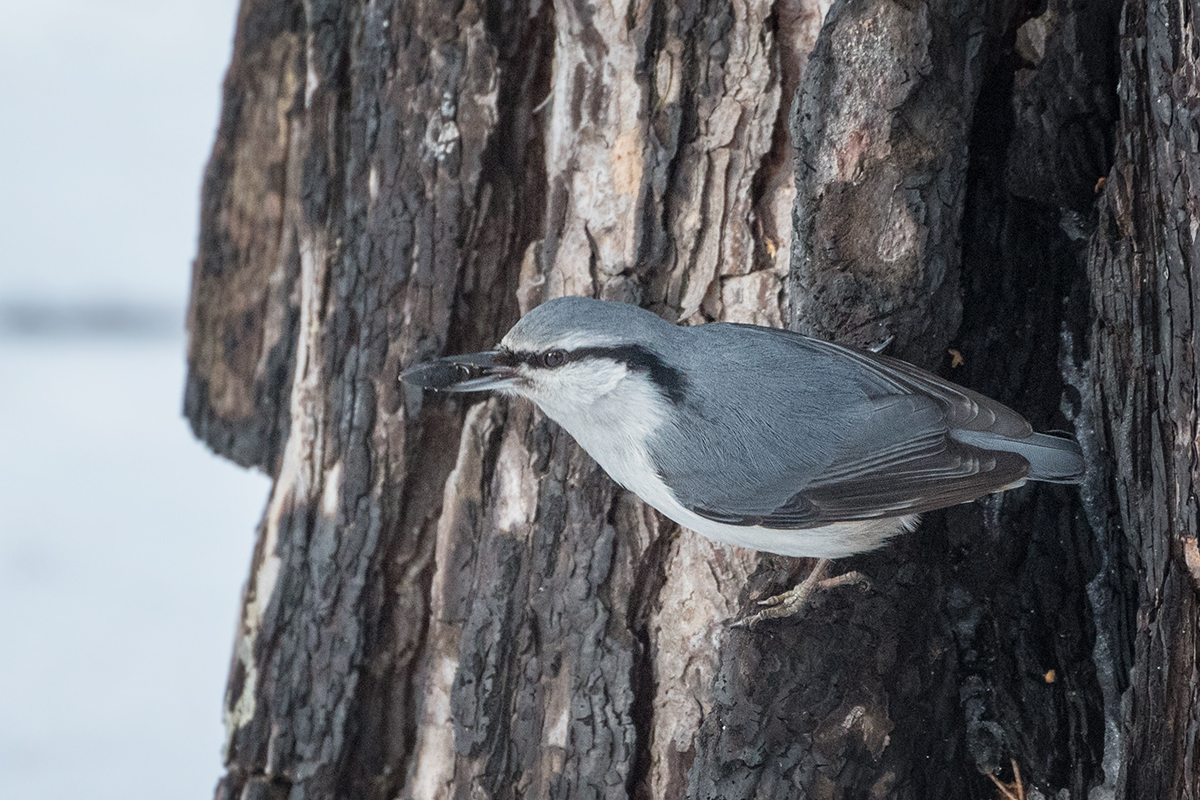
<point>449,598</point>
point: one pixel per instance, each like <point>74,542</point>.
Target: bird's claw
<point>795,601</point>
<point>1014,790</point>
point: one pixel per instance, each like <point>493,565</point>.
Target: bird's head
<point>565,355</point>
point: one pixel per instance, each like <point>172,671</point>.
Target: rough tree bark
<point>449,599</point>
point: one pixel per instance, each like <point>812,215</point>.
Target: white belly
<point>835,540</point>
<point>630,466</point>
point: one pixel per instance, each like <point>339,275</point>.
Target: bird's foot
<point>795,601</point>
<point>1014,790</point>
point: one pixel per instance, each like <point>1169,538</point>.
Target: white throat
<point>611,411</point>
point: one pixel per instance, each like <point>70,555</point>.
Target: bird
<point>755,436</point>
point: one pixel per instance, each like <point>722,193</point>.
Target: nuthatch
<point>756,436</point>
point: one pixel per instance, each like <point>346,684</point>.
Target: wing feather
<point>965,409</point>
<point>893,453</point>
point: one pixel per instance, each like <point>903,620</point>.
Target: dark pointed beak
<point>476,372</point>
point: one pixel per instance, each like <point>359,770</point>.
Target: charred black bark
<point>1141,401</point>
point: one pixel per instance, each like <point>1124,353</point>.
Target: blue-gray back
<point>787,431</point>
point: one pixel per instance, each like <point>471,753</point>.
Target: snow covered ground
<point>123,542</point>
<point>123,546</point>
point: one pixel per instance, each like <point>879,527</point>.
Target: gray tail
<point>1056,459</point>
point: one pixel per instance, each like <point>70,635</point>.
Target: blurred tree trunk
<point>449,599</point>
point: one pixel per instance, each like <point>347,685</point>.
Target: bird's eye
<point>553,358</point>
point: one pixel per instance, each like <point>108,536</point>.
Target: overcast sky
<point>109,109</point>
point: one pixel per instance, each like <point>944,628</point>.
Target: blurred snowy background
<point>123,541</point>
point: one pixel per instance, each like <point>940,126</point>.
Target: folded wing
<point>908,442</point>
<point>906,463</point>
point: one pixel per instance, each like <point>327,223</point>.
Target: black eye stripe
<point>510,358</point>
<point>562,357</point>
<point>669,380</point>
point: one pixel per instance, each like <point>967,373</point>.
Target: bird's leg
<point>1014,790</point>
<point>785,604</point>
<point>794,600</point>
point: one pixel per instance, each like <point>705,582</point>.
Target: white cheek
<point>569,391</point>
